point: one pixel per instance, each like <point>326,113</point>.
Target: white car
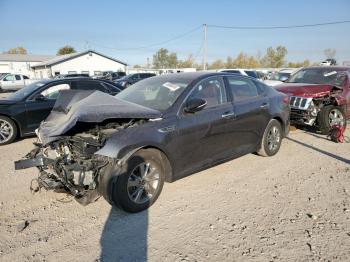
<point>279,77</point>
<point>12,82</point>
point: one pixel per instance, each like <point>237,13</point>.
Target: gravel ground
<point>294,206</point>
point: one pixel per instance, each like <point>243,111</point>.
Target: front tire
<point>8,130</point>
<point>272,139</point>
<point>139,186</point>
<point>330,115</point>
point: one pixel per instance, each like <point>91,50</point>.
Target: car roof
<point>191,76</point>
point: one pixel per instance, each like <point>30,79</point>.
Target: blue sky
<point>108,26</point>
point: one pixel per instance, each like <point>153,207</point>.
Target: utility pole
<point>205,47</point>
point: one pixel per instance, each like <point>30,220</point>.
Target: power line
<point>278,27</point>
<point>155,44</point>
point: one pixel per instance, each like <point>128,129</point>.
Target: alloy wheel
<point>336,117</point>
<point>273,138</point>
<point>143,183</point>
<point>6,131</point>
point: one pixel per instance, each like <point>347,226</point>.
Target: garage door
<point>4,68</point>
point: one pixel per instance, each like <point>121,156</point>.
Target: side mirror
<point>194,105</point>
<point>40,97</point>
<point>283,78</point>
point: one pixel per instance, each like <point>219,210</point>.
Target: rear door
<point>19,81</point>
<point>251,107</point>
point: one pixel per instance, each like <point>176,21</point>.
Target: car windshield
<point>158,93</point>
<point>316,76</point>
<point>2,75</point>
<point>25,91</point>
<point>278,76</point>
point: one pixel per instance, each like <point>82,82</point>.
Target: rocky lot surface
<point>294,206</point>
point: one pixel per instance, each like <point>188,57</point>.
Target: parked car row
<point>164,128</point>
<point>279,77</point>
<point>131,79</point>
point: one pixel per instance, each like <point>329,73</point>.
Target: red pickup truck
<point>319,96</point>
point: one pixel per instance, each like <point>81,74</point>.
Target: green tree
<point>245,61</point>
<point>66,50</point>
<point>274,57</point>
<point>163,59</point>
<point>17,50</point>
<point>330,53</point>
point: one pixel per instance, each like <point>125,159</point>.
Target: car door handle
<point>228,115</point>
<point>264,105</point>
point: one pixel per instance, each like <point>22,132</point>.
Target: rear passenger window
<point>18,77</point>
<point>242,89</point>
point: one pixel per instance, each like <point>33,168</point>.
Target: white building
<point>21,64</point>
<point>88,62</point>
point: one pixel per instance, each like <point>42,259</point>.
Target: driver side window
<point>53,91</point>
<point>211,90</point>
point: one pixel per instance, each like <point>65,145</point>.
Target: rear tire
<point>8,130</point>
<point>140,184</point>
<point>272,139</point>
<point>330,115</point>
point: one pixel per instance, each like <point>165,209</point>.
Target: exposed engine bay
<point>70,164</point>
<point>304,110</point>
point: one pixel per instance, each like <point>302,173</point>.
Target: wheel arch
<point>280,120</point>
<point>18,126</point>
<point>167,163</point>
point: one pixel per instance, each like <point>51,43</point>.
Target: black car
<point>22,111</point>
<point>131,79</point>
<point>160,129</point>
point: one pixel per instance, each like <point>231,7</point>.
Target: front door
<point>39,106</point>
<point>206,136</point>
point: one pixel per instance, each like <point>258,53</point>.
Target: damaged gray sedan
<point>161,129</point>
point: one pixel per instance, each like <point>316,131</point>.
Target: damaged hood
<point>74,106</point>
<point>306,90</point>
